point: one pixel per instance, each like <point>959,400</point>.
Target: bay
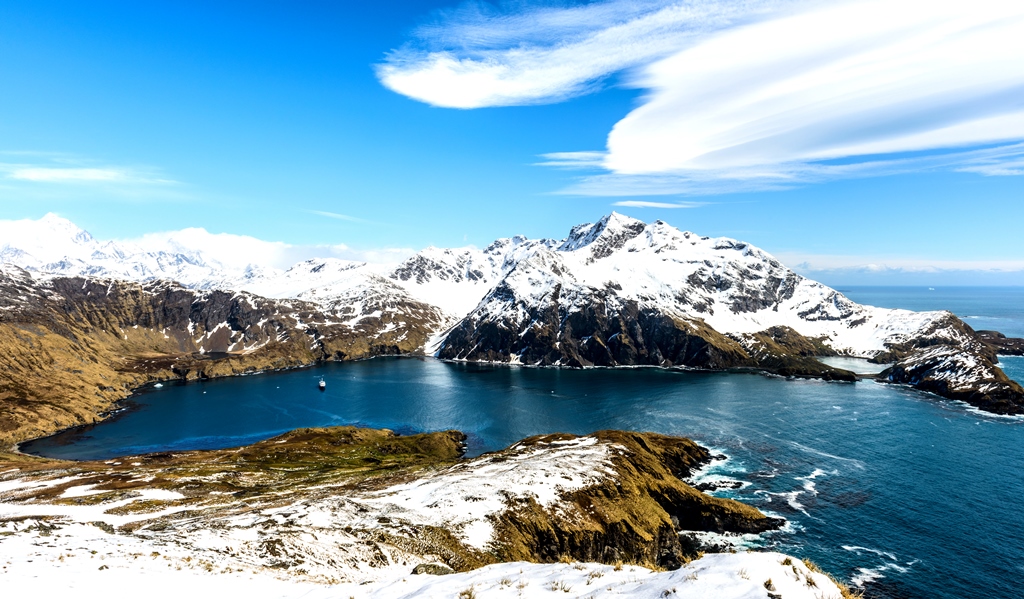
<point>904,493</point>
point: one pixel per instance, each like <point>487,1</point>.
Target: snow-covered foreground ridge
<point>176,522</point>
<point>37,570</point>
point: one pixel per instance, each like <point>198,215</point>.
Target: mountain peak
<point>65,228</point>
<point>605,236</point>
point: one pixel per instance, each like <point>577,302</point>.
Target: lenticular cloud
<point>752,91</point>
<point>852,79</point>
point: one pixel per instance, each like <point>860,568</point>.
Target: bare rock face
<point>595,335</point>
<point>1001,344</point>
<point>954,374</point>
<point>579,326</point>
<point>635,516</point>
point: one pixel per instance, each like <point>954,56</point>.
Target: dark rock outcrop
<point>635,516</point>
<point>951,360</point>
<point>1001,344</point>
<point>621,333</point>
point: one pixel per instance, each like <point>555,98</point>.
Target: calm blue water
<point>872,477</point>
<point>917,496</point>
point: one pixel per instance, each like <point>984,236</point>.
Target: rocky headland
<point>358,506</point>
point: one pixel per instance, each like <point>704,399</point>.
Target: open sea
<point>893,490</point>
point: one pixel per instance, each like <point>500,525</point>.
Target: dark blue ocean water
<point>907,494</point>
<point>984,308</point>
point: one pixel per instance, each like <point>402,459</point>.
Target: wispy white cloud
<point>336,216</point>
<point>749,95</point>
<point>647,204</point>
<point>54,175</point>
<point>849,79</point>
<point>573,160</point>
<point>475,57</point>
<point>1002,160</point>
<point>80,175</point>
<point>64,174</point>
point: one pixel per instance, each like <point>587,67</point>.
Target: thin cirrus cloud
<point>57,176</point>
<point>846,270</point>
<point>648,204</point>
<point>67,175</point>
<point>473,58</point>
<point>751,95</point>
<point>78,175</point>
<point>337,216</point>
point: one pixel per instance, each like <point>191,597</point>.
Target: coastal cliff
<point>953,361</point>
<point>359,512</point>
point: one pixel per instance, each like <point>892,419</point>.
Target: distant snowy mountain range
<point>733,287</point>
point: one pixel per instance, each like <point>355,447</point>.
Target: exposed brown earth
<point>635,517</point>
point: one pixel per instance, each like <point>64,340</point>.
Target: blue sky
<point>867,153</point>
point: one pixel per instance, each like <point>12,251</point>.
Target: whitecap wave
<point>867,575</point>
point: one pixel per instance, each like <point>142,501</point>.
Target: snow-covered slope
<point>457,279</point>
<point>733,287</point>
<point>54,246</point>
<point>96,528</point>
<point>55,566</point>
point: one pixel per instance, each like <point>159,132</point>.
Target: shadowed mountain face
<point>613,293</point>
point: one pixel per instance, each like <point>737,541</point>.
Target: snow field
<point>83,560</point>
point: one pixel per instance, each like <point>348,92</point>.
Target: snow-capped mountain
<point>617,263</point>
<point>54,246</point>
<point>605,271</point>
